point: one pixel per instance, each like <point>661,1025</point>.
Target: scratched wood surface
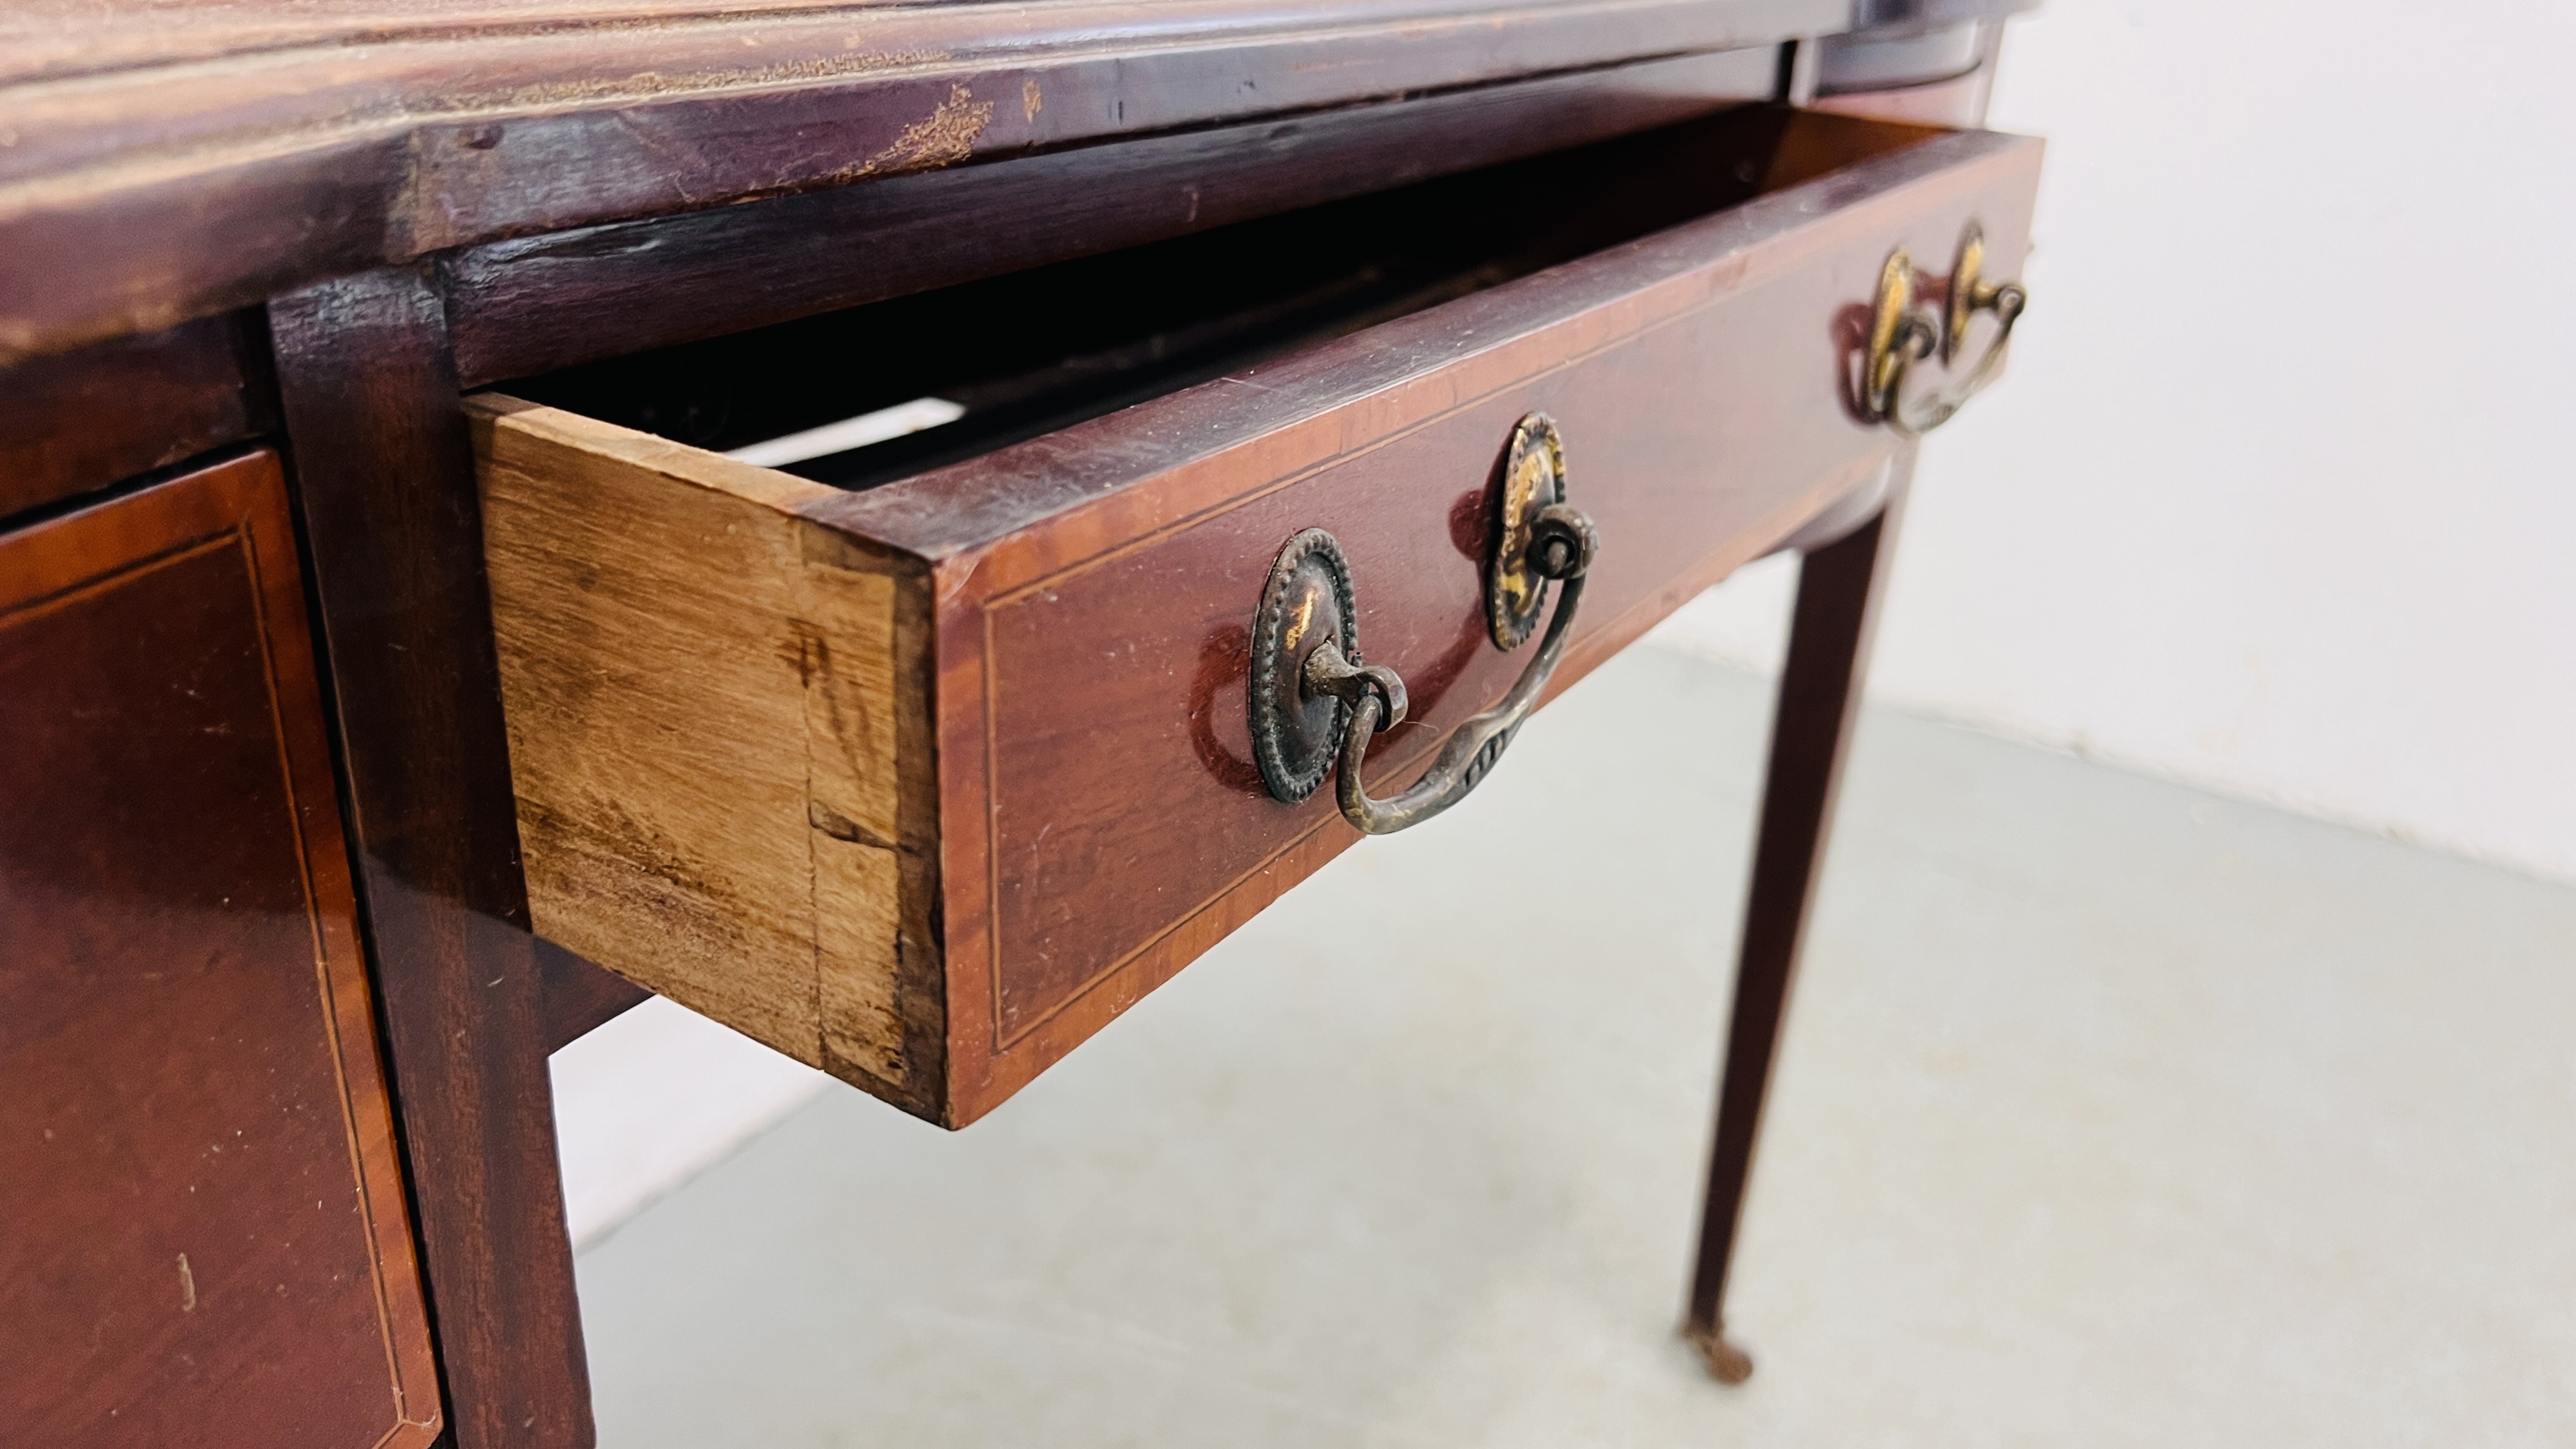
<point>1095,823</point>
<point>206,1236</point>
<point>536,304</point>
<point>167,160</point>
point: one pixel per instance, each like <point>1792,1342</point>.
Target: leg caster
<point>1726,1363</point>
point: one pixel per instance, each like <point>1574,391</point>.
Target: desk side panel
<point>207,1241</point>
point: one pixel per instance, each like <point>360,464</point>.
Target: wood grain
<point>385,480</point>
<point>1094,822</point>
<point>702,706</point>
<point>581,997</point>
<point>86,419</point>
<point>207,1241</point>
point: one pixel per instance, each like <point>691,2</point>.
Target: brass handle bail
<point>1901,334</point>
<point>1321,712</point>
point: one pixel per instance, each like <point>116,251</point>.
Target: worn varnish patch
<point>943,138</point>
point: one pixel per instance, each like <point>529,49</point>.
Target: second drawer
<point>923,778</point>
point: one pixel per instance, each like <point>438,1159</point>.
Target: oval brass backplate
<point>1308,599</point>
<point>1533,478</point>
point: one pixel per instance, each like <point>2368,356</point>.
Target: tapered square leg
<point>385,482</point>
<point>1839,588</point>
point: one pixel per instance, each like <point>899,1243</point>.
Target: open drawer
<point>922,760</point>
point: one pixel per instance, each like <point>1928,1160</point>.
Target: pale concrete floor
<point>2112,1114</point>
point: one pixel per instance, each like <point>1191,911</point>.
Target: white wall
<point>2277,498</point>
<point>656,1097</point>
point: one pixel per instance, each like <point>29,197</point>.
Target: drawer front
<point>205,1241</point>
<point>1084,600</point>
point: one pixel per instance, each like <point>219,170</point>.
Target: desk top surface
<point>61,38</point>
<point>160,159</point>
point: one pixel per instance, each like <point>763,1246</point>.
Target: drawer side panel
<point>702,704</point>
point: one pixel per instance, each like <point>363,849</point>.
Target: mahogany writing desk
<point>894,526</point>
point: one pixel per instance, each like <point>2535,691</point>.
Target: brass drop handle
<point>1315,705</point>
<point>1902,334</point>
<point>1568,542</point>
